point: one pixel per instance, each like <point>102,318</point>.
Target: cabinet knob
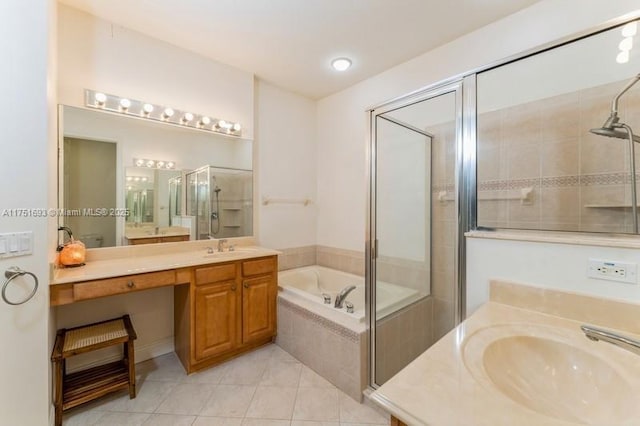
<point>245,285</point>
<point>130,284</point>
<point>233,287</point>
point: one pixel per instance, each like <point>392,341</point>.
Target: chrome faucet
<point>209,250</point>
<point>596,334</point>
<point>343,295</point>
<point>221,244</point>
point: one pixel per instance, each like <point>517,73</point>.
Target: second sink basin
<point>550,372</point>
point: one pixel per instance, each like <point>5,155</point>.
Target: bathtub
<point>306,286</point>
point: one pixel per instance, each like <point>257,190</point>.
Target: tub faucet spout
<point>343,295</point>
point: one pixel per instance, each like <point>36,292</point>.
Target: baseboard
<point>142,353</point>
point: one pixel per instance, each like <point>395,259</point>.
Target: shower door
<point>412,275</point>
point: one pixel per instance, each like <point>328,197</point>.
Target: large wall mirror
<point>550,154</point>
<point>127,181</point>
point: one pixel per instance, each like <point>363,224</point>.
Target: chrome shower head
<point>611,132</point>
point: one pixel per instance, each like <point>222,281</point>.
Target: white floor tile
<point>217,421</point>
<point>169,420</point>
<point>316,404</point>
<point>267,387</point>
<point>354,412</point>
<point>270,402</point>
<point>122,419</point>
<point>311,379</point>
<point>264,422</point>
<point>280,373</point>
<point>149,396</point>
<point>244,371</point>
<point>228,401</point>
<point>186,398</point>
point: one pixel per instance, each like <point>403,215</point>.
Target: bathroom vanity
<point>224,302</point>
<point>523,359</point>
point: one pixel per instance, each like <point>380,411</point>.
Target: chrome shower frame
<point>464,186</point>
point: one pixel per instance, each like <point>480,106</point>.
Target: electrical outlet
<point>612,270</point>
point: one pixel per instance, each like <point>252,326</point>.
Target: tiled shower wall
<point>580,181</point>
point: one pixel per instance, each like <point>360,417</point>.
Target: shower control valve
<point>326,298</point>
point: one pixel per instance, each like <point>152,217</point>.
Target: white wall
<point>94,54</point>
<point>559,266</point>
<point>286,167</point>
<point>342,139</point>
<point>27,169</point>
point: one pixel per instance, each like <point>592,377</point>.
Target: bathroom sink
<point>553,373</point>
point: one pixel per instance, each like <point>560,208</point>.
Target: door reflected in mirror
<point>115,202</point>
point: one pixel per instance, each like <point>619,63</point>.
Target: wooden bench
<point>83,386</point>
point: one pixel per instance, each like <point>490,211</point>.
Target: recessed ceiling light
<point>341,64</point>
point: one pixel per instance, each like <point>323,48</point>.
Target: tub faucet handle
<point>327,298</point>
<point>349,306</point>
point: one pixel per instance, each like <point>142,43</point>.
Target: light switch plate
<point>16,244</point>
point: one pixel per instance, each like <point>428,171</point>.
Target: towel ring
<point>12,273</point>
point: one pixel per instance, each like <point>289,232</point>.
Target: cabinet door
<point>258,308</point>
<point>216,309</point>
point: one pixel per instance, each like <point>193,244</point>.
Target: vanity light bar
<point>154,164</point>
<point>134,108</point>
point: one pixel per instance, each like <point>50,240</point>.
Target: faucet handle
<point>327,298</point>
<point>209,250</point>
<point>349,306</point>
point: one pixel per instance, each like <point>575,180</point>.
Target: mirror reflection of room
<point>137,173</point>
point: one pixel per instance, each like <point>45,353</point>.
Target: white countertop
<point>140,262</point>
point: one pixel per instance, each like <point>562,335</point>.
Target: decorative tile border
<point>320,320</point>
<point>619,178</point>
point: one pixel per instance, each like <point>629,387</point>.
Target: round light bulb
<point>623,57</point>
<point>125,104</point>
<point>222,124</point>
<point>129,188</point>
<point>139,162</point>
<point>136,179</point>
<point>147,109</point>
<point>160,164</point>
<point>170,165</point>
<point>101,98</point>
<point>341,64</point>
<point>144,179</point>
<point>626,44</point>
<point>237,127</point>
<point>129,178</point>
<point>187,117</point>
<point>168,113</point>
<point>151,163</point>
<point>630,29</point>
<point>205,121</point>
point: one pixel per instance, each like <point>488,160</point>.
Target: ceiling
<point>291,43</point>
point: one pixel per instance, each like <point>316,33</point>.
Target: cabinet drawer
<point>260,266</point>
<point>213,274</point>
<point>119,285</point>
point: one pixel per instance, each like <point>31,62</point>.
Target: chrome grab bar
<point>12,273</point>
<point>595,334</point>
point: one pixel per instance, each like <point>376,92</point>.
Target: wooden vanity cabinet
<point>231,309</point>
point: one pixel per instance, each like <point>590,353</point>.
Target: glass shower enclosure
<point>221,200</point>
<point>413,277</point>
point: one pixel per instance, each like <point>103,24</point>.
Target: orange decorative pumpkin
<point>73,253</point>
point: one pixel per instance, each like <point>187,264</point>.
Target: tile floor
<point>266,387</point>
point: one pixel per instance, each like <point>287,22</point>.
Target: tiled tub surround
<point>334,351</point>
<point>439,387</point>
<point>402,336</point>
<point>546,145</point>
